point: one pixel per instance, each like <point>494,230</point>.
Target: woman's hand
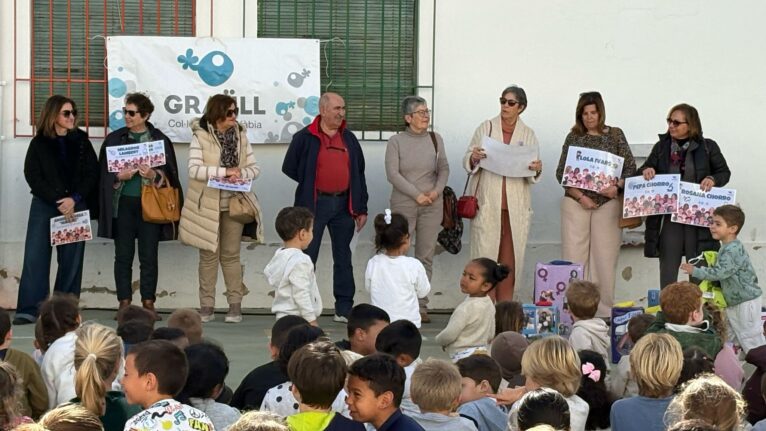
<point>587,203</point>
<point>147,172</point>
<point>509,396</point>
<point>649,173</point>
<point>423,200</point>
<point>233,172</point>
<point>433,194</point>
<point>66,208</point>
<point>477,154</point>
<point>611,192</point>
<point>126,174</point>
<point>707,184</point>
<point>536,165</point>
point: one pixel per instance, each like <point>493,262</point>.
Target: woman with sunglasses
<point>62,171</point>
<point>682,150</point>
<point>590,221</point>
<point>417,168</point>
<point>121,216</point>
<point>219,148</point>
<point>501,226</point>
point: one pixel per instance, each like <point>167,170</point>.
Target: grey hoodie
<point>440,422</point>
<point>291,273</point>
<point>591,334</point>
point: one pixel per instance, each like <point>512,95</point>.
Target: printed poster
<point>63,232</point>
<point>539,320</point>
<point>696,207</point>
<point>656,196</point>
<point>130,156</point>
<point>231,184</point>
<point>590,169</point>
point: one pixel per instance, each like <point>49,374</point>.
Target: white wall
<point>643,57</point>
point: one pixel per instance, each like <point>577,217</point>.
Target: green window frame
<point>368,52</point>
<point>69,46</point>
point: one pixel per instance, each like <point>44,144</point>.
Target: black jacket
<point>43,170</point>
<point>703,159</point>
<point>106,185</point>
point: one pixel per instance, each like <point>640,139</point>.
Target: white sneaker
<point>339,319</point>
<point>207,314</point>
<point>233,318</point>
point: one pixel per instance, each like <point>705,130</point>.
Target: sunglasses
<point>66,113</point>
<point>130,112</point>
<point>232,112</point>
<point>509,102</point>
<point>676,123</point>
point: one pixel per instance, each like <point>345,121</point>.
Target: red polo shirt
<point>333,174</point>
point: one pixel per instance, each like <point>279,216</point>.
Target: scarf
<point>678,155</point>
<point>229,147</point>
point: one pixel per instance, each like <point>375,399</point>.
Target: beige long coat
<point>485,228</point>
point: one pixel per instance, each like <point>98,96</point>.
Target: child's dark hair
<point>282,327</point>
<point>189,321</point>
<point>509,316</point>
<point>543,407</point>
<point>696,362</point>
<point>10,391</point>
<point>732,215</point>
<point>363,316</point>
<point>292,220</point>
<point>480,367</point>
<point>493,272</point>
<point>165,360</point>
<point>400,337</point>
<point>593,389</point>
<point>59,314</point>
<point>382,374</point>
<point>637,326</point>
<point>134,332</point>
<point>208,367</point>
<point>318,372</point>
<point>135,313</point>
<point>5,324</point>
<point>296,338</point>
<point>168,334</point>
<point>390,235</point>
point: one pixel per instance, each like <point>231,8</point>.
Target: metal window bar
<point>368,52</point>
<point>73,63</point>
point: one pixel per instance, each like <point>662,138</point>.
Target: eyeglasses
<point>676,123</point>
<point>66,113</point>
<point>232,112</point>
<point>130,112</point>
<point>422,112</point>
<point>509,102</point>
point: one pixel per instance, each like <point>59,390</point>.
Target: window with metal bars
<point>368,51</point>
<point>69,45</point>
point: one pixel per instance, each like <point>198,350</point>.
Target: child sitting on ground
<point>507,349</point>
<point>509,316</point>
<point>34,399</point>
<point>655,362</point>
<point>318,373</point>
<point>593,389</point>
<point>402,340</point>
<point>249,395</point>
<point>364,324</point>
<point>69,417</point>
<point>208,367</point>
<point>737,276</point>
<point>471,326</point>
<point>395,281</point>
<point>588,331</point>
<point>97,360</point>
<point>541,407</point>
<point>291,271</point>
<point>260,421</point>
<point>696,363</point>
<point>683,318</point>
<point>436,391</point>
<point>60,318</point>
<point>480,380</point>
<point>621,382</point>
<point>155,372</point>
<point>175,335</point>
<point>189,321</point>
<point>710,399</point>
<point>10,400</point>
<point>134,325</point>
<point>375,387</point>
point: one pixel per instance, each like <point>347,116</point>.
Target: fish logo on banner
<point>214,69</point>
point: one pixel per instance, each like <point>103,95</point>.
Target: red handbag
<point>467,205</point>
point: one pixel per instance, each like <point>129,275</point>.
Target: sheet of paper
<point>656,196</point>
<point>696,207</point>
<point>129,156</point>
<point>590,169</point>
<point>508,160</point>
<point>230,183</point>
<point>63,232</point>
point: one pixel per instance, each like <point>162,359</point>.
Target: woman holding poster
<point>62,171</point>
<point>500,229</point>
<point>219,148</point>
<point>682,150</point>
<point>590,231</point>
<point>121,215</point>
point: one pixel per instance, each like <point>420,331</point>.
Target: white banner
<point>591,169</point>
<point>275,81</point>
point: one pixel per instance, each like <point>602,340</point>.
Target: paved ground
<point>245,343</point>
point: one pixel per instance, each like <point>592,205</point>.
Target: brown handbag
<point>160,204</point>
<point>630,222</point>
<point>241,208</point>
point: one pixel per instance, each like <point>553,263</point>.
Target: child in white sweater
<point>394,280</point>
<point>291,271</point>
<point>472,324</point>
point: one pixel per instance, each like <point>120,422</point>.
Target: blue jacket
<point>300,164</point>
<point>735,272</point>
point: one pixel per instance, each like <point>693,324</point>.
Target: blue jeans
<point>332,212</point>
<point>34,285</point>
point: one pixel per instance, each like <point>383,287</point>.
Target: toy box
<point>551,281</point>
<point>621,344</point>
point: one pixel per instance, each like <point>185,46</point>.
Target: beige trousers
<point>593,238</point>
<point>229,240</point>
